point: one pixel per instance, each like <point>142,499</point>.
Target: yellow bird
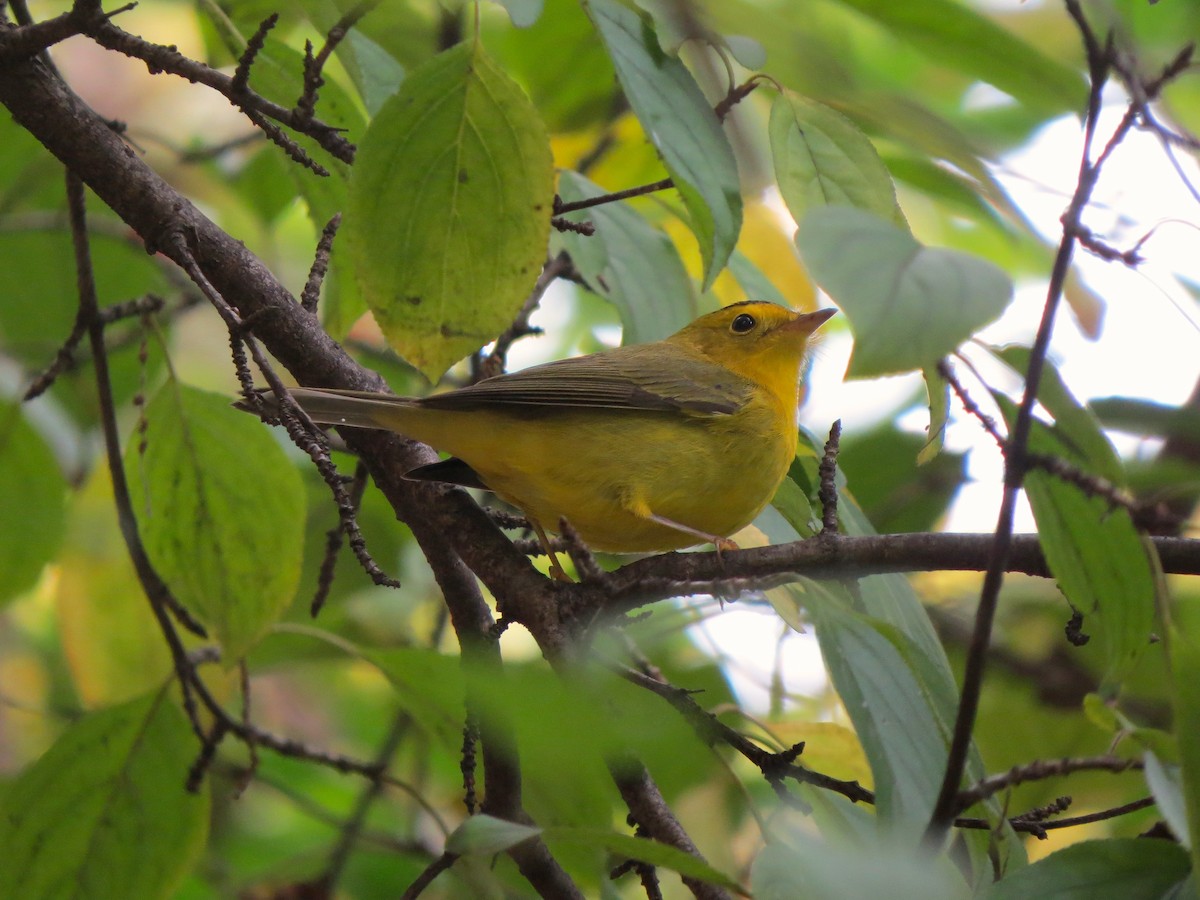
<point>643,448</point>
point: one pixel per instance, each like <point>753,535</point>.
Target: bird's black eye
<point>743,324</point>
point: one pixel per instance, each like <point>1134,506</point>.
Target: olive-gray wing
<point>645,377</point>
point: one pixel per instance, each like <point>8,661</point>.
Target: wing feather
<point>626,378</point>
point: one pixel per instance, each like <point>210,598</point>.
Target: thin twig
<point>313,65</point>
<point>352,828</point>
<point>561,208</point>
<point>1040,770</point>
<point>827,493</point>
<point>311,294</point>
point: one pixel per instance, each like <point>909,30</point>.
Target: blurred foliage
<point>903,110</point>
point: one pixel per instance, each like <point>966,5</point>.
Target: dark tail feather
<point>448,471</point>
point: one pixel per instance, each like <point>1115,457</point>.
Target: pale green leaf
<point>753,282</point>
<point>220,509</point>
<point>959,36</point>
<point>523,13</point>
<point>449,208</point>
<point>429,687</point>
<point>1075,424</point>
<point>1119,869</point>
<point>1098,558</point>
<point>1165,781</point>
<point>908,305</point>
<point>483,835</point>
<point>806,866</point>
<point>871,664</point>
<point>630,263</point>
<point>32,493</point>
<point>823,159</point>
<point>630,847</point>
<point>682,126</point>
<point>1184,652</point>
<point>746,50</point>
<point>104,812</point>
<point>379,74</point>
<point>939,414</point>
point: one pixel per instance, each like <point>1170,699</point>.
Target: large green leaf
<point>886,663</point>
<point>630,263</point>
<point>1101,563</point>
<point>682,125</point>
<point>627,846</point>
<point>450,208</point>
<point>31,503</point>
<point>104,813</point>
<point>221,513</point>
<point>908,305</point>
<point>1125,869</point>
<point>484,835</point>
<point>955,34</point>
<point>806,866</point>
<point>821,158</point>
<point>1184,648</point>
<point>430,687</point>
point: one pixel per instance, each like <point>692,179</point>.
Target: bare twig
<point>1039,770</point>
<point>311,294</point>
<point>827,493</point>
<point>1100,62</point>
<point>313,65</point>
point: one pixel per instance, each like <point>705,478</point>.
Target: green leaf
<point>1136,416</point>
<point>221,513</point>
<point>32,493</point>
<point>483,835</point>
<point>114,649</point>
<point>450,208</point>
<point>682,125</point>
<point>430,687</point>
<point>630,263</point>
<point>959,36</point>
<point>378,72</point>
<point>1074,423</point>
<point>630,847</point>
<point>104,813</point>
<point>1183,636</point>
<point>807,866</point>
<point>908,305</point>
<point>1165,781</point>
<point>1100,561</point>
<point>1119,869</point>
<point>939,414</point>
<point>753,282</point>
<point>895,491</point>
<point>522,12</point>
<point>278,75</point>
<point>823,159</point>
<point>870,663</point>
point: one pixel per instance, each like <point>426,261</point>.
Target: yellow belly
<point>600,468</point>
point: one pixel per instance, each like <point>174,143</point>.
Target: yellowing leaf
<point>112,643</point>
<point>449,208</point>
<point>221,513</point>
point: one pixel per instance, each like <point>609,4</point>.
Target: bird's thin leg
<point>721,543</point>
<point>557,572</point>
